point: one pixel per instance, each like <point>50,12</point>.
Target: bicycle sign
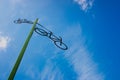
<point>45,32</point>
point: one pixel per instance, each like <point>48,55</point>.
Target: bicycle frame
<point>49,35</point>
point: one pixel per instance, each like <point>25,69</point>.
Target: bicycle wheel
<point>41,32</point>
<point>61,45</point>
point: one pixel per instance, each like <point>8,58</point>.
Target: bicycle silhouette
<point>45,32</point>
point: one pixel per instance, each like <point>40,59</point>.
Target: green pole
<point>14,70</point>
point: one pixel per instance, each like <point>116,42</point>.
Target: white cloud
<point>51,73</point>
<point>32,72</point>
<point>79,56</point>
<point>83,64</point>
<point>4,41</point>
<point>85,4</point>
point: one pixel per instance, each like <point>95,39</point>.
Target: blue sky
<point>90,28</point>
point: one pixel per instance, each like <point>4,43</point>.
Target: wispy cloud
<point>32,72</point>
<point>51,73</point>
<point>83,64</point>
<point>4,41</point>
<point>85,4</point>
<point>79,56</point>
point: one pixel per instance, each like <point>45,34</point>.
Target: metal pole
<point>14,70</point>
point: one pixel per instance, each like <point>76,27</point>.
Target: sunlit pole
<point>14,70</point>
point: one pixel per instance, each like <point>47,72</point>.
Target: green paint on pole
<point>14,70</point>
